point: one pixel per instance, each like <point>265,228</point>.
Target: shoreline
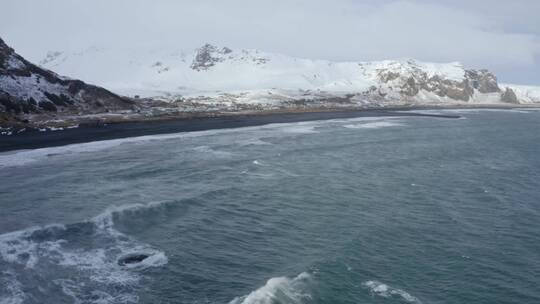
<point>165,125</point>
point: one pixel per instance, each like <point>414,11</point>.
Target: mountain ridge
<point>220,81</point>
<point>211,70</point>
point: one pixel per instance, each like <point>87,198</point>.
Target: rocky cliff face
<point>509,96</point>
<point>28,89</point>
<point>410,79</point>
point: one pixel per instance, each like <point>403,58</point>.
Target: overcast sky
<point>503,36</point>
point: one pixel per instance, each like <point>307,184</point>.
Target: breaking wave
<point>212,152</point>
<point>377,288</point>
<point>253,142</point>
<point>79,262</point>
<point>24,157</point>
<point>254,134</point>
<point>279,290</point>
<point>373,125</point>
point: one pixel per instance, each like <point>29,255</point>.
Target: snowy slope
<point>177,71</point>
<point>211,70</point>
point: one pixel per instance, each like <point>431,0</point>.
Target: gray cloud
<point>491,34</point>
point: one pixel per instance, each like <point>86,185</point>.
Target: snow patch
<point>29,87</point>
<point>13,63</point>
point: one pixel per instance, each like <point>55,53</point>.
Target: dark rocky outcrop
<point>26,88</point>
<point>509,96</point>
<point>133,258</point>
<point>483,81</point>
<point>208,56</point>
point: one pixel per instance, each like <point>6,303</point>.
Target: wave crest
<point>279,290</point>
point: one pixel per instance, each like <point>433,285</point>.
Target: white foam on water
<point>25,157</point>
<point>13,293</point>
<point>380,289</point>
<point>155,259</point>
<point>17,247</point>
<point>374,125</point>
<point>74,290</point>
<point>301,129</point>
<point>105,220</point>
<point>279,290</point>
<point>211,151</point>
<point>471,111</point>
<point>252,142</point>
<point>48,252</point>
<point>429,112</point>
<point>368,119</point>
<point>265,170</point>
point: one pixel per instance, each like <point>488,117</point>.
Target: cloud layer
<point>498,36</point>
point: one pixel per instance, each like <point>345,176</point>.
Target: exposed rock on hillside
<point>509,96</point>
<point>28,89</point>
<point>207,56</point>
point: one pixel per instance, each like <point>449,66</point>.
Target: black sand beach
<point>86,133</point>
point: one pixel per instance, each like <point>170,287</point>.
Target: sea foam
<point>279,290</point>
<point>252,134</point>
<point>373,125</point>
<point>380,289</point>
<point>24,157</point>
<point>79,259</point>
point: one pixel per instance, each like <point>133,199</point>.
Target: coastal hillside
<point>139,84</point>
<point>221,74</point>
<point>26,90</point>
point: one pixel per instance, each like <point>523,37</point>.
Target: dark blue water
<point>367,210</point>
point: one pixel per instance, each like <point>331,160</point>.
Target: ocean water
<point>365,210</point>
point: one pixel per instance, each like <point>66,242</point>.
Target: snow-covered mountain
<point>252,75</point>
<point>28,89</point>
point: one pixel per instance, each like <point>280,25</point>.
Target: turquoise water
<point>366,210</point>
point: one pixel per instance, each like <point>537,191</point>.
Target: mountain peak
<point>208,55</point>
<point>208,47</point>
<point>3,46</point>
<point>6,53</point>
